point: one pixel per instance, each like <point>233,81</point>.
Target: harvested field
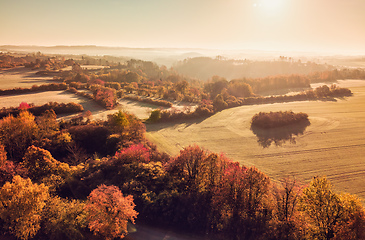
<point>21,77</point>
<point>332,145</point>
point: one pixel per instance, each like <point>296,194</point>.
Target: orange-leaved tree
<point>108,212</point>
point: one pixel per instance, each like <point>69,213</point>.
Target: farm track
<point>306,151</point>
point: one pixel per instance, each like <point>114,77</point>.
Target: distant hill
<point>162,56</point>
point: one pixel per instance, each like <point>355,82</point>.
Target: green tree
<point>21,205</point>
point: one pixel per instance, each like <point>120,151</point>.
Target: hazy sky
<point>302,25</point>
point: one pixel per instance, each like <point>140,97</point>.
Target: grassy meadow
<point>332,145</point>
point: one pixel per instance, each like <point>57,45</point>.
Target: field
<point>21,77</point>
<point>333,144</point>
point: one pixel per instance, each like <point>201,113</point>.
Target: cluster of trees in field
<point>58,108</point>
<point>34,89</point>
<point>337,74</point>
<point>10,61</point>
<point>277,119</point>
<point>278,127</point>
<point>34,61</point>
<point>158,102</point>
<point>67,180</point>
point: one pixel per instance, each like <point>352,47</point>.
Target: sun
<point>269,6</point>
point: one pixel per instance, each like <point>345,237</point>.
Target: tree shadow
<point>166,124</point>
<point>279,135</point>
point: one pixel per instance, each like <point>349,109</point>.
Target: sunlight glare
<point>270,6</point>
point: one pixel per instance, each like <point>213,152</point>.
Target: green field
<point>333,145</point>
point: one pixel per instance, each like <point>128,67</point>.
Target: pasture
<point>332,145</point>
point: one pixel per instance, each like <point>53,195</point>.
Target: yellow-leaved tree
<point>330,215</point>
<point>17,133</point>
<point>21,204</point>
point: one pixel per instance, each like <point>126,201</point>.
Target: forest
<point>90,179</point>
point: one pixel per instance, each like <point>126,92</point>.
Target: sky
<point>331,26</point>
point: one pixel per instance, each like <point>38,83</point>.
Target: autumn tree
<point>215,86</point>
<point>91,137</point>
<point>17,133</point>
<point>42,166</point>
<point>64,219</point>
<point>197,173</point>
<point>21,204</point>
<point>47,124</point>
<point>8,169</point>
<point>199,169</point>
<point>241,200</point>
<point>3,156</point>
<point>108,212</point>
<point>286,219</point>
<point>352,223</point>
<point>118,121</point>
<point>322,207</point>
<point>219,103</point>
<point>239,89</point>
<point>133,154</point>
